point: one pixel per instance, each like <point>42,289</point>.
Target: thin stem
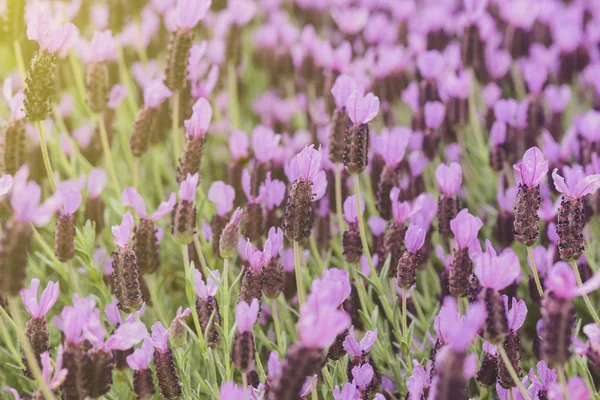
<point>232,96</point>
<point>203,264</point>
<point>361,228</point>
<point>175,128</point>
<point>404,319</point>
<point>316,253</point>
<point>586,299</point>
<point>107,153</point>
<point>156,304</point>
<point>563,380</point>
<point>245,384</point>
<point>45,155</point>
<point>276,322</point>
<point>20,62</point>
<point>192,298</point>
<point>136,173</point>
<point>510,393</point>
<point>32,362</point>
<point>225,297</point>
<point>536,277</point>
<point>297,268</point>
<point>73,279</point>
<point>513,373</point>
<point>314,388</point>
<point>8,318</point>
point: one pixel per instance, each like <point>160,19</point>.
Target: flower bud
<point>274,278</point>
<point>126,281</point>
<point>39,86</point>
<point>14,247</point>
<point>191,157</point>
<point>253,224</point>
<point>356,148</point>
<point>37,333</point>
<point>143,384</point>
<point>340,123</point>
<point>242,351</point>
<point>142,128</point>
<point>166,372</point>
<point>98,374</point>
<point>512,348</point>
<point>299,362</point>
<point>145,246</point>
<point>64,238</point>
<point>460,271</point>
<point>13,146</point>
<point>206,308</point>
<point>184,222</point>
<point>178,52</point>
<point>299,213</point>
<point>571,220</point>
<point>526,229</point>
<point>352,244</point>
<point>496,323</point>
<point>389,179</point>
<point>97,85</point>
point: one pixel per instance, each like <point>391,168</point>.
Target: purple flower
<point>246,315</point>
<point>491,94</point>
<point>155,92</point>
<point>275,237</point>
<point>533,168</point>
<point>307,165</point>
<point>402,211</point>
<point>187,188</point>
<point>392,145</point>
<point>350,20</point>
<point>241,11</point>
<point>47,300</point>
<point>103,47</point>
<point>319,324</point>
<point>264,143</point>
<point>53,39</point>
<point>60,374</point>
<point>506,111</point>
<point>246,186</point>
<point>190,12</point>
<point>465,228</point>
<point>348,392</point>
<point>351,213</point>
<point>199,122</point>
<point>204,290</point>
<point>498,133</point>
<point>362,109</point>
<point>576,388</point>
<point>26,197</point>
<point>96,182</point>
<point>544,379</point>
<point>497,271</point>
<point>257,258</point>
<point>116,96</point>
<point>273,192</point>
<point>449,178</point>
<point>535,75</point>
<point>435,112</point>
<point>160,337</point>
<point>561,280</point>
<point>414,238</point>
<point>430,64</point>
<point>579,185</point>
<point>516,314</point>
<point>122,233</point>
<point>419,381</point>
<point>589,125</point>
<point>455,330</point>
<point>557,97</point>
<point>332,288</point>
<point>357,349</point>
<point>507,198</point>
<point>238,145</point>
<point>376,225</point>
<point>343,87</point>
<point>130,197</point>
<point>222,195</point>
<point>70,192</point>
<point>363,374</point>
<point>141,357</point>
<point>126,336</point>
<point>230,391</point>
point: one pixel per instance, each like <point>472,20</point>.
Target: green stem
<point>232,96</point>
<point>156,305</point>
<point>225,298</point>
<point>314,391</point>
<point>586,299</point>
<point>363,233</point>
<point>535,272</point>
<point>276,323</point>
<point>404,319</point>
<point>189,282</point>
<point>338,198</point>
<point>45,156</point>
<point>108,154</point>
<point>136,173</point>
<point>513,373</point>
<point>203,264</point>
<point>245,385</point>
<point>297,268</point>
<point>316,253</point>
<point>20,62</point>
<point>73,278</point>
<point>32,362</point>
<point>175,128</point>
<point>563,380</point>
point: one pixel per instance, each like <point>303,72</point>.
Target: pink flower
<point>497,271</point>
<point>351,213</point>
<point>343,87</point>
<point>187,188</point>
<point>190,12</point>
<point>348,392</point>
<point>498,133</point>
<point>205,290</point>
<point>47,300</point>
<point>96,182</point>
<point>160,337</point>
<point>455,330</point>
<point>103,47</point>
<point>333,288</point>
<point>357,349</point>
<point>419,381</point>
<point>257,258</point>
<point>435,112</point>
<point>535,75</point>
<point>122,233</point>
<point>414,238</point>
<point>273,192</point>
<point>307,165</point>
<point>362,374</point>
<point>557,97</point>
<point>238,145</point>
<point>362,109</point>
<point>275,237</point>
<point>241,11</point>
<point>491,94</point>
<point>507,199</point>
<point>132,198</point>
<point>579,185</point>
<point>52,39</point>
<point>506,110</point>
<point>319,324</point>
<point>547,377</point>
<point>198,124</point>
<point>533,168</point>
<point>70,192</point>
<point>465,228</point>
<point>561,280</point>
<point>517,313</point>
<point>222,195</point>
<point>402,211</point>
<point>140,358</point>
<point>376,225</point>
<point>26,197</point>
<point>264,143</point>
<point>392,145</point>
<point>449,178</point>
<point>589,125</point>
<point>576,389</point>
<point>246,315</point>
<point>53,381</point>
<point>155,93</point>
<point>350,20</point>
<point>230,391</point>
<point>126,336</point>
<point>430,64</point>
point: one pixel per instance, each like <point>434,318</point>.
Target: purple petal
<point>130,197</point>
